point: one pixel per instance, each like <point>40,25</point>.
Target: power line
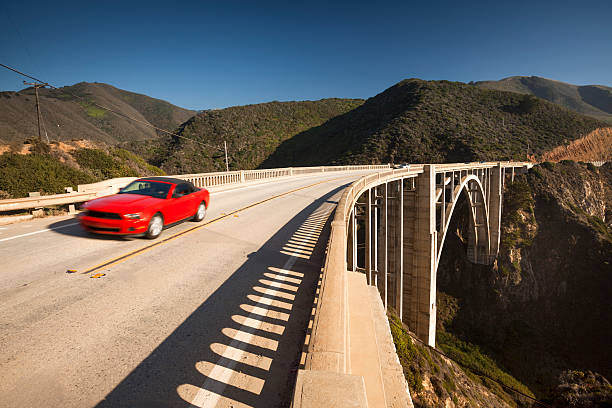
<point>475,371</point>
<point>111,110</point>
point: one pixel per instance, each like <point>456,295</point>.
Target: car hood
<point>123,203</point>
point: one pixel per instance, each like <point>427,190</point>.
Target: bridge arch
<point>479,238</point>
<point>388,231</point>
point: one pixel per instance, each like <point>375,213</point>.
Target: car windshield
<point>149,188</point>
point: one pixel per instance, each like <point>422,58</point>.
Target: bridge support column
<point>374,219</point>
<point>382,255</point>
<point>495,210</point>
<point>368,236</point>
<point>351,245</point>
<point>398,247</point>
<point>409,285</point>
<point>425,247</point>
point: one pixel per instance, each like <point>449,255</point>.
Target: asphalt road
<point>208,316</point>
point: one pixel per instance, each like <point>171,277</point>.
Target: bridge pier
<point>396,258</point>
<point>382,275</point>
<point>425,251</point>
<point>495,210</point>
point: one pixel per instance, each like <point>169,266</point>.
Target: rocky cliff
<point>543,310</point>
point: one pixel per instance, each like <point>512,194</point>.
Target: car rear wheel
<point>200,212</point>
<point>156,225</point>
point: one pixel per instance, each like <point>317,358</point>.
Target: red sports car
<point>145,206</point>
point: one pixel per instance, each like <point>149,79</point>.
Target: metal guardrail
<point>87,192</point>
<point>45,201</point>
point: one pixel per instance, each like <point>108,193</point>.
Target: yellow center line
<point>131,254</point>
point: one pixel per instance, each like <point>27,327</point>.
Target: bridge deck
<point>214,316</point>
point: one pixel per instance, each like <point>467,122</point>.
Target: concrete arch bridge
<point>388,233</point>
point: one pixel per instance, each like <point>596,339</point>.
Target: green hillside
<point>592,100</point>
<point>48,169</point>
<point>67,117</point>
<point>436,121</point>
<point>252,132</point>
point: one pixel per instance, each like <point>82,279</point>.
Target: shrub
<point>472,358</point>
<point>37,172</point>
<point>102,165</point>
<point>407,353</point>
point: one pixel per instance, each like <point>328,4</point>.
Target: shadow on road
<point>67,227</point>
<point>243,345</point>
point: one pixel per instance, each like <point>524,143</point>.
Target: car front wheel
<point>156,225</point>
<point>200,213</point>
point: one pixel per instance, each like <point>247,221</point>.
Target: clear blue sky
<point>205,54</point>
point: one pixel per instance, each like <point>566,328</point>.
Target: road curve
<point>214,316</point>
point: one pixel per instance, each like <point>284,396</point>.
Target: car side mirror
<point>176,195</point>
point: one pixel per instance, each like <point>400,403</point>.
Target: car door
<point>182,202</point>
<point>194,200</point>
<point>175,208</point>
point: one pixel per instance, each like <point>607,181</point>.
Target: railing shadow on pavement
<point>243,345</point>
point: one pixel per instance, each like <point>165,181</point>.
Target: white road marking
<point>37,232</point>
<point>208,399</point>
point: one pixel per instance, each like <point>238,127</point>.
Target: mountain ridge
<point>252,132</point>
<point>71,113</point>
<point>591,100</point>
<point>437,121</point>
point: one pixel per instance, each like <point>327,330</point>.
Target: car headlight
<point>135,216</point>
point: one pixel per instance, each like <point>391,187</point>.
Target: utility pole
<point>226,163</point>
<point>527,150</point>
<point>37,85</point>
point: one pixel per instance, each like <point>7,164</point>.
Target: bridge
<point>224,313</point>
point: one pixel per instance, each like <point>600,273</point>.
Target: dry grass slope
<point>596,146</point>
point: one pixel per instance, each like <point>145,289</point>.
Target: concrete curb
<point>11,219</point>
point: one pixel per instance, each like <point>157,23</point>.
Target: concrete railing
<point>87,192</point>
<point>243,176</point>
<point>328,348</point>
<point>598,163</point>
<point>329,342</point>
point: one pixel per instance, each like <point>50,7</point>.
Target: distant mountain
<point>591,100</point>
<point>66,117</point>
<point>252,132</point>
<point>434,122</point>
